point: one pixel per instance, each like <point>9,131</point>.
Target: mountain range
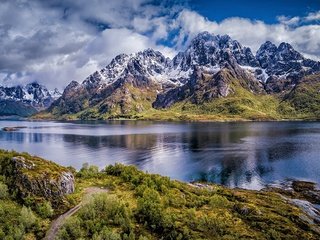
<point>214,78</point>
<point>26,100</point>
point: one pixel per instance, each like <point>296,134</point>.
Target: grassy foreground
<point>140,206</point>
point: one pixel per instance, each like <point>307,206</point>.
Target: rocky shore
<point>302,194</point>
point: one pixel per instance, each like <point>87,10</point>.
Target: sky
<point>55,42</point>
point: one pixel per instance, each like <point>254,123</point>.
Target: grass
<point>305,97</point>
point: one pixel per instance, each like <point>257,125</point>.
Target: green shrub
<point>88,171</point>
<point>3,191</point>
<point>27,218</point>
<point>71,229</point>
<point>44,209</point>
<point>213,224</point>
<point>105,234</point>
<point>150,209</point>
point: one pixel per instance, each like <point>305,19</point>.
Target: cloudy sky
<point>57,41</point>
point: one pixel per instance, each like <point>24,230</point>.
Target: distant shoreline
<point>180,119</point>
<point>15,118</point>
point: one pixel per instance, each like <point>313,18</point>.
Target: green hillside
<point>10,108</point>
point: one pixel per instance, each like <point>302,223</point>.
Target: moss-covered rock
<point>41,183</point>
<point>36,178</point>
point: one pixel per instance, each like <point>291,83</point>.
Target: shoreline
<point>30,119</point>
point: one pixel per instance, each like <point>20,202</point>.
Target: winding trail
<point>58,222</point>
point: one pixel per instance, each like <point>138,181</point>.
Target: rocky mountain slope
<point>212,67</point>
<point>26,100</point>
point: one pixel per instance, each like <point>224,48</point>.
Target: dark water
<point>246,155</point>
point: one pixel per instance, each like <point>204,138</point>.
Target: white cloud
<point>315,16</point>
<point>191,23</point>
<point>293,21</point>
<point>112,42</point>
<point>96,54</point>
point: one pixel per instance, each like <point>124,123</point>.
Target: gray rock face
<point>284,66</point>
<point>30,179</point>
<point>213,51</point>
<point>66,182</point>
<point>205,85</point>
<point>309,209</point>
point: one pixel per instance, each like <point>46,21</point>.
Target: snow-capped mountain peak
<point>213,51</point>
<point>287,53</point>
<point>148,63</point>
<point>284,61</point>
<point>209,52</point>
<point>34,94</point>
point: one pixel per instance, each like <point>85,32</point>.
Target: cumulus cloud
<point>315,16</point>
<point>112,42</point>
<point>293,21</point>
<point>57,41</point>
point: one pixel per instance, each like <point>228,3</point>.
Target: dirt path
<point>57,223</point>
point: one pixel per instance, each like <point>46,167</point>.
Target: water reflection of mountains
<point>22,137</point>
<point>230,154</point>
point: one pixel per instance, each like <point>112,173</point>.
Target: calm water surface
<point>247,155</point>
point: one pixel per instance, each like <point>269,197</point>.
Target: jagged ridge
<point>26,100</point>
<point>162,82</point>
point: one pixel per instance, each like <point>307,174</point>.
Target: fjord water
<point>247,154</point>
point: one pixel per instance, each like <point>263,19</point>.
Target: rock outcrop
<point>40,178</point>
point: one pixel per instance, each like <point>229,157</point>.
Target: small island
<point>12,129</point>
<point>40,199</point>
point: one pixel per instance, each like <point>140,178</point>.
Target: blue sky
<point>266,11</point>
<point>57,41</point>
